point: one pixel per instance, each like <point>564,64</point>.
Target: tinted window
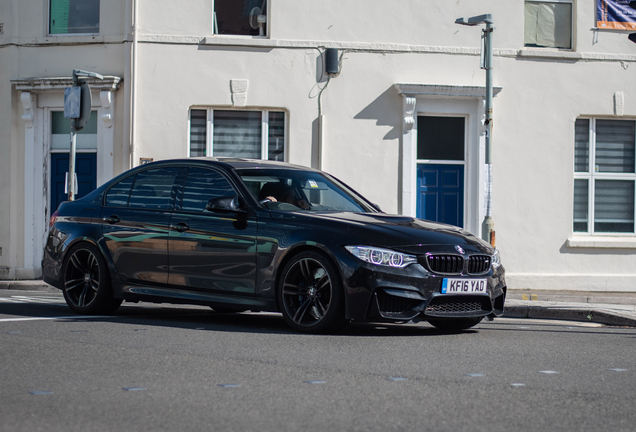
<point>293,190</point>
<point>233,17</point>
<point>154,189</point>
<point>440,138</point>
<point>74,16</point>
<point>201,186</point>
<point>118,195</point>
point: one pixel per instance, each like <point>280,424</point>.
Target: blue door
<point>440,193</point>
<point>86,169</point>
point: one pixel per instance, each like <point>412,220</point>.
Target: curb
<point>582,313</point>
<point>29,285</point>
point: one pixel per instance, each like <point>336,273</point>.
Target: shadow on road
<point>205,319</point>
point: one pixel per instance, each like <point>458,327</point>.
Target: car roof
<point>240,163</point>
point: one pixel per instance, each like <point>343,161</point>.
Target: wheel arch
<point>309,247</point>
<point>96,244</point>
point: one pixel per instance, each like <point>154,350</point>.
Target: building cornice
<point>264,42</point>
<point>60,83</point>
<point>415,90</point>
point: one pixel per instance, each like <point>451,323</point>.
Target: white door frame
<point>431,99</point>
<point>38,96</point>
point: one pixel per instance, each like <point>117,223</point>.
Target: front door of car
<point>211,251</point>
<point>136,222</point>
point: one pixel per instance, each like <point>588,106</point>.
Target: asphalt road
<point>160,367</point>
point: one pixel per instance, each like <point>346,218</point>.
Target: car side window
<point>201,186</point>
<point>118,195</point>
<point>154,189</point>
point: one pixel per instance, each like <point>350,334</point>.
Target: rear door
<point>136,222</point>
<point>211,251</point>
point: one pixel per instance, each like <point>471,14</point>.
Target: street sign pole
<point>77,108</point>
<point>488,229</point>
<point>71,164</point>
<point>70,185</point>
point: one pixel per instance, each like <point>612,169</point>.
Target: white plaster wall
<point>27,51</point>
<point>9,168</point>
<point>190,18</point>
<point>533,171</point>
<point>411,22</point>
<point>180,65</point>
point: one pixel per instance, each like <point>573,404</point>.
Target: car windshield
<point>294,190</point>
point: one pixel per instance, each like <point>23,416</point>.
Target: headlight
<point>496,260</point>
<point>383,257</point>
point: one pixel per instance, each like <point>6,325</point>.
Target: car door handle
<point>112,219</point>
<point>181,227</point>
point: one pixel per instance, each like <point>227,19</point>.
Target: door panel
<point>216,253</point>
<point>440,193</point>
<point>136,223</point>
<point>137,241</point>
<point>211,251</point>
<point>85,168</point>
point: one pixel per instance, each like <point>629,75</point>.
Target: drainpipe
<point>133,83</point>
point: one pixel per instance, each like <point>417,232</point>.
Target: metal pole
<point>488,227</point>
<point>71,156</point>
<point>71,163</point>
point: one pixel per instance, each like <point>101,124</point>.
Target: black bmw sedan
<point>239,234</point>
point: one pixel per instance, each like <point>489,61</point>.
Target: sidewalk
<point>615,309</point>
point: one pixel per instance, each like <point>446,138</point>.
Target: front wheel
<point>310,294</point>
<point>454,323</point>
<point>87,288</point>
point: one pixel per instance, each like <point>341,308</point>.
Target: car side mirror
<point>377,207</point>
<point>226,204</point>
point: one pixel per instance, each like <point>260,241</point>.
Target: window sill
<point>550,53</point>
<point>602,242</point>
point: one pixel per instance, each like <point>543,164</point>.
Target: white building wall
<point>180,64</point>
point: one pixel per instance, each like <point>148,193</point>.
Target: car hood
<point>404,233</point>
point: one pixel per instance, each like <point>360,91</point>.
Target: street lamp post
<point>488,226</point>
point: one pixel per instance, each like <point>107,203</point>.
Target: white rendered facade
<point>401,61</point>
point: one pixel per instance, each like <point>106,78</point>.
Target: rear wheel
<point>87,288</point>
<point>310,294</point>
<point>454,323</point>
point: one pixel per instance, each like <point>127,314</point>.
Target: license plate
<point>464,286</point>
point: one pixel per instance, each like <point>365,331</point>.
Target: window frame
<point>591,176</point>
<point>174,191</point>
<point>183,181</point>
<point>48,22</point>
<point>209,144</point>
<point>77,150</point>
<point>231,35</point>
<point>572,25</point>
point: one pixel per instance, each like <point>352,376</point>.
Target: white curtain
<point>548,24</point>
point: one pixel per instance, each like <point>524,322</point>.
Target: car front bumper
<point>394,294</point>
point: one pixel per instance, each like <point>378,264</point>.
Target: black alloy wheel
<point>87,287</point>
<point>454,323</point>
<point>310,294</point>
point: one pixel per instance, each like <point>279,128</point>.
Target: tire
<point>86,284</point>
<point>454,323</point>
<point>310,294</point>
